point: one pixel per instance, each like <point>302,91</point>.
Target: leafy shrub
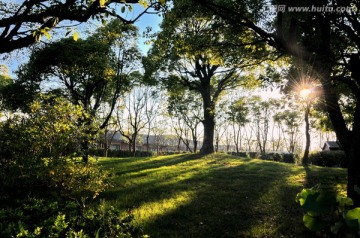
<point>78,181</point>
<point>240,154</point>
<point>44,191</point>
<point>252,155</point>
<point>328,213</point>
<point>328,158</point>
<point>281,157</point>
<point>41,218</point>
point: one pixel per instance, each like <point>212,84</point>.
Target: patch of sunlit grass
<point>214,196</point>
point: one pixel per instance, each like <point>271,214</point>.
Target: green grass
<point>216,195</point>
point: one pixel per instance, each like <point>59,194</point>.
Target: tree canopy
<point>22,24</point>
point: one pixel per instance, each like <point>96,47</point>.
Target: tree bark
<point>305,159</point>
<point>208,122</point>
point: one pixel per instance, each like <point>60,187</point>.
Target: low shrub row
<point>120,153</point>
<point>278,157</point>
<point>328,158</point>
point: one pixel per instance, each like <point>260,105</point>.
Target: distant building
<point>331,145</point>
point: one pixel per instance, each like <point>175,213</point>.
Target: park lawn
<point>216,195</point>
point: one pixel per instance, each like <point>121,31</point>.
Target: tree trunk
<point>209,124</point>
<point>353,156</point>
<point>305,159</point>
<point>133,149</point>
<point>85,150</point>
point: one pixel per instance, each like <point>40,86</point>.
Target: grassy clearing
<point>216,195</point>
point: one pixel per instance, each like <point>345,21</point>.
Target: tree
<point>238,113</point>
<point>289,122</point>
<point>197,52</point>
<point>5,80</point>
<point>261,112</point>
<point>23,24</point>
<point>87,72</point>
<point>132,118</point>
<point>186,107</point>
<point>327,41</point>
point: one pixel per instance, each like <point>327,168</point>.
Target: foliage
<point>50,136</point>
<point>281,157</point>
<point>120,153</point>
<point>24,24</point>
<point>45,190</point>
<point>50,131</point>
<point>329,158</point>
<point>329,213</point>
<point>38,217</point>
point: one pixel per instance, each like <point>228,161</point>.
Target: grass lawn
<point>216,195</point>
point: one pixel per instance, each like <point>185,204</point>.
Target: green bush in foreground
<point>44,190</point>
<point>41,218</point>
<point>328,213</point>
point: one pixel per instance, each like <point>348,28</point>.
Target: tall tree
<point>198,53</point>
<point>87,72</point>
<point>330,43</point>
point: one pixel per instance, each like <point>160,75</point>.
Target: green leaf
<point>162,2</point>
<point>102,3</point>
<point>301,197</point>
<point>344,202</point>
<point>352,218</point>
<point>48,36</point>
<point>76,36</point>
<point>143,3</point>
<point>313,223</point>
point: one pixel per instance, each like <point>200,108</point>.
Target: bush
<point>329,214</point>
<point>281,157</point>
<point>328,158</point>
<point>42,218</point>
<point>45,192</point>
<point>120,153</point>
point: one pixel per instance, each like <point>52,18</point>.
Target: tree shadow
<point>240,207</point>
<point>331,179</point>
<point>226,196</point>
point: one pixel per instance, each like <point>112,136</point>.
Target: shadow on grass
<point>211,196</point>
<point>332,179</point>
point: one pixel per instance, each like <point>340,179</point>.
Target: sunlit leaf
<point>313,223</point>
<point>76,36</point>
<point>102,3</point>
<point>352,218</point>
<point>48,36</point>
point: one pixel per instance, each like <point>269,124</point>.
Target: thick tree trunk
<point>305,159</point>
<point>208,143</point>
<point>208,122</point>
<point>354,160</point>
